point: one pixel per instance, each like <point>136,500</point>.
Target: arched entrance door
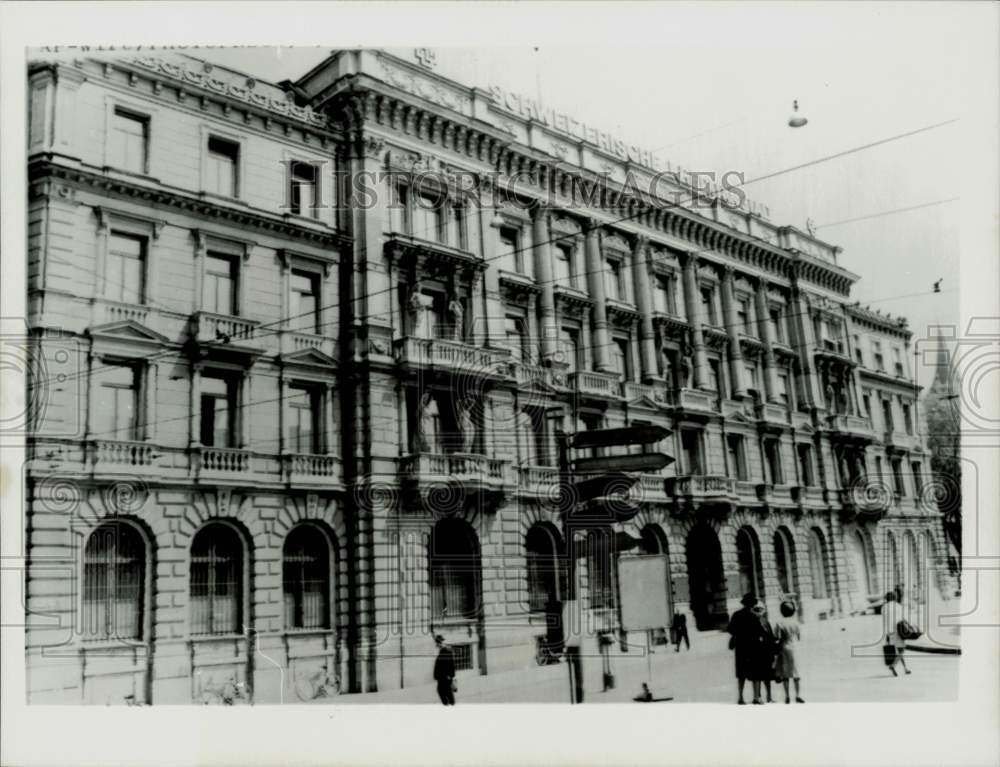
<point>894,573</point>
<point>455,576</point>
<point>706,578</point>
<point>861,582</point>
<point>912,570</point>
<point>654,541</point>
<point>786,565</point>
<point>751,569</point>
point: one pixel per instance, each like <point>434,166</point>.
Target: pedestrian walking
<point>768,651</point>
<point>752,642</point>
<point>444,671</point>
<point>679,631</point>
<point>787,635</point>
<point>893,612</point>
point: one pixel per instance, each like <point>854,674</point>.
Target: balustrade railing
<point>123,453</point>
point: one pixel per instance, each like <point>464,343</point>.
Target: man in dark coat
<point>444,672</point>
<point>679,631</point>
<point>750,640</point>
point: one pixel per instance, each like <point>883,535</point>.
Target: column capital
<point>639,243</point>
<point>688,259</point>
<point>728,272</point>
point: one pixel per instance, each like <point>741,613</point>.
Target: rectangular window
<point>753,378</point>
<point>715,380</point>
<point>614,283</point>
<point>427,217</point>
<point>900,373</point>
<point>662,296</point>
<point>222,171</point>
<point>456,227</point>
<point>517,338</point>
<point>126,268</point>
<point>218,411</point>
<point>858,353</point>
<point>877,356</point>
<point>887,419</point>
<point>510,257</point>
<point>129,141</point>
<point>743,316</point>
<point>304,433</point>
<point>772,454</point>
<point>304,189</point>
<point>691,447</point>
<point>116,410</point>
<point>806,465</point>
<point>220,284</point>
<point>866,399</point>
<point>784,393</point>
<point>303,310</point>
<point>570,342</point>
<point>918,478</point>
<point>563,263</point>
<point>737,456</point>
<point>897,476</point>
<point>399,209</point>
<point>708,305</point>
<point>777,328</point>
<point>907,418</point>
<point>623,362</point>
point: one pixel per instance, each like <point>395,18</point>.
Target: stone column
<point>540,236</point>
<point>805,342</point>
<point>767,336</point>
<point>595,282</point>
<point>642,276</point>
<point>200,250</point>
<point>246,402</point>
<point>737,371</point>
<point>149,398</point>
<point>692,308</point>
<point>494,330</point>
<point>194,439</point>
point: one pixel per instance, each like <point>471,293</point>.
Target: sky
<point>715,93</point>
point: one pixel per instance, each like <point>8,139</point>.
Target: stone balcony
<point>221,463</point>
<point>900,440</point>
<point>651,488</point>
<point>696,400</point>
<point>732,408</point>
<point>452,357</point>
<point>538,482</point>
<point>772,414</point>
<point>306,469</point>
<point>851,427</point>
<point>695,491</point>
<point>115,311</point>
<point>655,391</point>
<point>778,496</point>
<point>225,331</point>
<point>443,479</point>
<point>590,383</point>
<point>122,456</point>
<point>293,341</point>
<point>861,502</point>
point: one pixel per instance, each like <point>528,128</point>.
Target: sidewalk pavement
<point>840,661</point>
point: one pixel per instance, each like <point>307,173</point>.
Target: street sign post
<point>620,463</point>
<point>606,501</point>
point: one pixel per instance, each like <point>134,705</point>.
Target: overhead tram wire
<point>596,227</point>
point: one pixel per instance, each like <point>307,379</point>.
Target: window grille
<point>114,574</point>
<point>216,581</point>
<point>307,579</point>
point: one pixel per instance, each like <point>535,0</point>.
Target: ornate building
<point>303,352</point>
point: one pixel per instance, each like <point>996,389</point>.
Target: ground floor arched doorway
<point>706,578</point>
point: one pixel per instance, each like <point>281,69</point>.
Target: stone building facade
<point>302,353</point>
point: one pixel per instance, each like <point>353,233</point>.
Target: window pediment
<point>128,331</point>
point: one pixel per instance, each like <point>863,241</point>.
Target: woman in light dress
<point>787,634</point>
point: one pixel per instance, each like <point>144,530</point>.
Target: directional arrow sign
<point>607,463</point>
<point>627,435</point>
<point>615,483</point>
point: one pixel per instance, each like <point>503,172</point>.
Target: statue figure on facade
<point>457,312</point>
<point>467,423</point>
<point>829,393</point>
<point>427,414</point>
<point>419,306</point>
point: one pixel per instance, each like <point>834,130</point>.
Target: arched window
<point>217,580</point>
<point>784,557</point>
<point>543,551</point>
<point>751,569</point>
<point>114,581</point>
<point>453,561</point>
<point>306,577</point>
<point>817,564</point>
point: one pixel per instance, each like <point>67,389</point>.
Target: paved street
<point>832,673</point>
